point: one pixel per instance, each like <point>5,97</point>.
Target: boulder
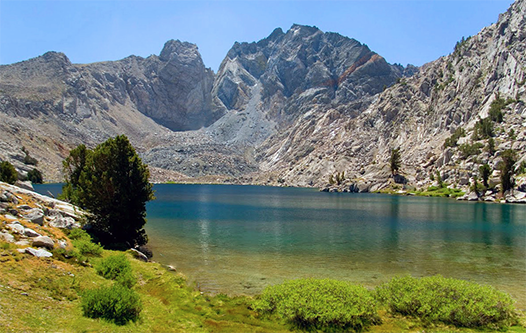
<point>39,253</point>
<point>53,213</point>
<point>64,222</point>
<point>68,210</point>
<point>4,196</point>
<point>472,197</point>
<point>7,196</point>
<point>7,237</point>
<point>22,242</point>
<point>31,233</point>
<point>44,241</point>
<point>16,228</point>
<point>35,215</point>
<point>25,185</point>
<point>139,255</point>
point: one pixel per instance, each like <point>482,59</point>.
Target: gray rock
<point>22,242</point>
<point>31,233</point>
<point>44,241</point>
<point>25,185</point>
<point>472,197</point>
<point>35,215</point>
<point>64,222</point>
<point>4,196</point>
<point>17,228</point>
<point>24,207</point>
<point>39,253</point>
<point>139,255</point>
<point>7,237</point>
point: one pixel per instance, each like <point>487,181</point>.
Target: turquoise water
<point>239,239</point>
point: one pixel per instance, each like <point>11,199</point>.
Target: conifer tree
<point>111,182</point>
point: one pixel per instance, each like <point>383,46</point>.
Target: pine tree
<point>509,157</point>
<point>395,160</point>
<point>111,182</point>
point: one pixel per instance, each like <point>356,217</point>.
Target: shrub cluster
<point>449,301</point>
<point>116,304</point>
<point>119,303</point>
<point>118,268</point>
<point>83,243</point>
<point>8,172</point>
<point>320,304</point>
<point>338,306</point>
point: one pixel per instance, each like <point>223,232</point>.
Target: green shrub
<point>467,150</point>
<point>484,129</point>
<point>8,172</point>
<point>320,304</point>
<point>455,302</point>
<point>35,176</point>
<point>118,268</point>
<point>116,304</point>
<point>87,247</point>
<point>83,243</point>
<point>453,139</point>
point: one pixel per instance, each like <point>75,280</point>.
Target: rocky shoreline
<point>33,221</point>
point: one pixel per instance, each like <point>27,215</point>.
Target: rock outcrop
<point>17,227</point>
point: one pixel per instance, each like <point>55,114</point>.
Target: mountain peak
<point>182,51</point>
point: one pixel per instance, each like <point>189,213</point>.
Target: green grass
<point>435,191</point>
<point>45,295</point>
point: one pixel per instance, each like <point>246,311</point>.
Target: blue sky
<point>410,31</point>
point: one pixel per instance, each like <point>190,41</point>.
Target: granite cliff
<point>418,114</point>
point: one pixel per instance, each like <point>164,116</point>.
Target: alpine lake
<point>239,239</point>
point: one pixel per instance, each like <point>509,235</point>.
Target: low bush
<point>116,304</point>
<point>327,305</point>
<point>8,173</point>
<point>118,268</point>
<point>83,243</point>
<point>441,300</point>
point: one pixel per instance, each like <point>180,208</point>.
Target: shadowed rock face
<point>174,88</point>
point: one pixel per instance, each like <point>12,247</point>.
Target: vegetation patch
<point>116,304</point>
<point>117,267</point>
<point>440,300</point>
<point>440,191</point>
<point>327,305</point>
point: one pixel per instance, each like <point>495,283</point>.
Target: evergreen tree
<point>395,160</point>
<point>8,172</point>
<point>35,176</point>
<point>112,183</point>
<point>485,172</point>
<point>509,157</point>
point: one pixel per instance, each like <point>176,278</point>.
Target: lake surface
<point>239,239</point>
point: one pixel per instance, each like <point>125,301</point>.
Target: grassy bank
<point>44,295</point>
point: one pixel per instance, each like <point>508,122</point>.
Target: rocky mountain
<point>49,105</point>
<point>266,86</point>
<point>418,114</point>
<point>291,109</point>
